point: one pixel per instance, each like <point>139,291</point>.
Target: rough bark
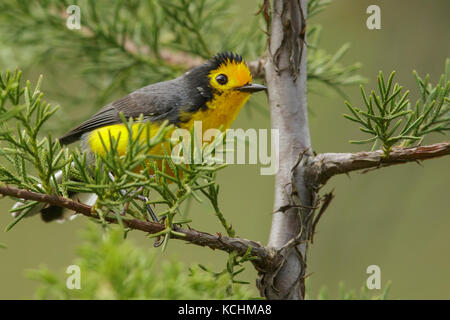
<point>285,71</point>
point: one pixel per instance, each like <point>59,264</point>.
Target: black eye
<point>222,79</point>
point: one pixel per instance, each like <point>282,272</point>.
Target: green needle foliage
<point>230,270</point>
<point>323,67</point>
<point>114,268</point>
<point>314,7</point>
<point>21,145</point>
<point>326,68</point>
<point>434,105</point>
<point>125,45</point>
<point>391,120</point>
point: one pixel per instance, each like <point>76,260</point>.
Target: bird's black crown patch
<point>224,57</point>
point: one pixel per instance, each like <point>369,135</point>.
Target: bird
<point>212,93</point>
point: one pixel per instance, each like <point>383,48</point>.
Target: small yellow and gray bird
<point>213,93</point>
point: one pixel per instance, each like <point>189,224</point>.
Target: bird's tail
<point>50,213</point>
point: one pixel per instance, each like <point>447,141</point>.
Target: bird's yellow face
<point>231,84</point>
<point>230,75</point>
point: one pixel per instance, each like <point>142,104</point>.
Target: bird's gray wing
<point>156,103</point>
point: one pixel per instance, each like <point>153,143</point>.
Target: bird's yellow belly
<point>100,139</point>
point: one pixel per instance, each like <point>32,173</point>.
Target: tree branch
<point>326,165</point>
<point>265,259</point>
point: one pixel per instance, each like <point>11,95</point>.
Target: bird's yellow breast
<point>221,111</point>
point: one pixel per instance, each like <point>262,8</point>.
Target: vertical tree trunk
<point>292,218</point>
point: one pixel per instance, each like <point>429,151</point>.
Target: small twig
<point>326,202</point>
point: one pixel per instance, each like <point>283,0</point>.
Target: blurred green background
<point>397,217</point>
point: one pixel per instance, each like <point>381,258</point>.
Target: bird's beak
<point>251,87</point>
